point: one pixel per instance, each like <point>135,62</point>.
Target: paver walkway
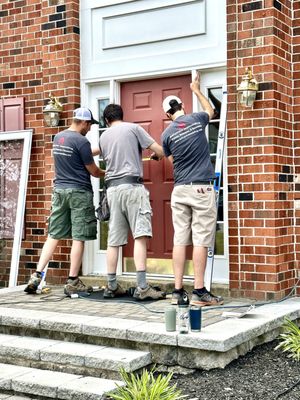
<point>151,312</point>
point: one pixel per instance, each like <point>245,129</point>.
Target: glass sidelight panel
<point>219,241</point>
<point>215,97</point>
<point>102,103</point>
<point>213,130</point>
<point>103,226</point>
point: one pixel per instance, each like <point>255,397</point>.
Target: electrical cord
<point>257,304</point>
<point>204,309</point>
<point>56,298</point>
<point>288,389</point>
<point>122,302</point>
<point>49,298</point>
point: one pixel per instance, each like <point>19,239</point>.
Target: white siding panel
<point>146,26</point>
<point>149,36</point>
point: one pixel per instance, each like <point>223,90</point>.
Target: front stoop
<point>51,384</point>
<point>214,347</point>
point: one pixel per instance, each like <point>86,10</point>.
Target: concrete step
<point>20,380</point>
<point>79,358</point>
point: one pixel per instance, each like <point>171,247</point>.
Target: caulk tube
<point>183,313</point>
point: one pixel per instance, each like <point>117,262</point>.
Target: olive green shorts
<point>72,215</point>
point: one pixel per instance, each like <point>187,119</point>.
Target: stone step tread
<point>70,353</point>
<point>51,384</point>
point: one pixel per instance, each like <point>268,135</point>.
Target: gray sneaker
<point>149,293</point>
<point>110,293</point>
<point>76,286</point>
<point>206,299</point>
<point>33,283</point>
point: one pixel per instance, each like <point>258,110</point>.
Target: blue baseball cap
<point>84,114</point>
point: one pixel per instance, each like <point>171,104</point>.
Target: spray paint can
<point>183,313</point>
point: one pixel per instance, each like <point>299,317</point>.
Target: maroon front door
<point>142,104</point>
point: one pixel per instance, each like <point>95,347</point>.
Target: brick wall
<point>39,54</point>
<point>261,150</point>
<point>296,110</point>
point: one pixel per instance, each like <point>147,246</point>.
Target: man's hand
<point>155,157</point>
<point>195,84</point>
<point>205,104</point>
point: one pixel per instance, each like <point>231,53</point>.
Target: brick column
<point>260,151</point>
<point>40,54</point>
<point>296,111</point>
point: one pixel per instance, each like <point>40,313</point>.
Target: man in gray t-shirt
<point>121,146</point>
<point>193,197</point>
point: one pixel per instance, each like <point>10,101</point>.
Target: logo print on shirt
<point>181,125</point>
<point>61,141</point>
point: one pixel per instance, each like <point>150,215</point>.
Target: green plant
<point>290,340</point>
<point>146,387</point>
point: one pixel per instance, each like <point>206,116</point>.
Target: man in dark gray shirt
<point>72,210</point>
<point>193,197</point>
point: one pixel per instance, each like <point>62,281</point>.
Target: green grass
<point>146,386</point>
<point>290,340</point>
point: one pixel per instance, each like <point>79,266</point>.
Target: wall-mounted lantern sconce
<point>52,111</point>
<point>247,89</point>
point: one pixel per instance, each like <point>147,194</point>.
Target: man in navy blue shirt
<point>72,210</point>
<point>193,200</point>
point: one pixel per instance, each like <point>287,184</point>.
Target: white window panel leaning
<point>10,171</point>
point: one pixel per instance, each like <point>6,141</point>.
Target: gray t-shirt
<point>185,140</point>
<point>121,147</point>
<point>71,152</point>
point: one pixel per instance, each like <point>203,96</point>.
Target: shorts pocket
<point>56,200</point>
<point>145,207</point>
<point>90,227</point>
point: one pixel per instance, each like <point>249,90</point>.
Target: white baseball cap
<point>166,103</point>
<point>84,114</point>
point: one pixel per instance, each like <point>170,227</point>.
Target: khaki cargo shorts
<point>194,214</point>
<point>72,215</point>
<point>130,208</point>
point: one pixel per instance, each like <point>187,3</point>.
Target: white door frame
<point>92,255</point>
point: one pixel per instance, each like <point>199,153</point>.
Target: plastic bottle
<point>183,313</point>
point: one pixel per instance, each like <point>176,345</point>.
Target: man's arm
<point>157,149</point>
<point>96,151</point>
<point>205,104</point>
<point>94,170</point>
